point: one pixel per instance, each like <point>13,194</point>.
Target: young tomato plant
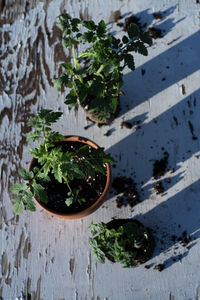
<point>95,75</point>
<point>119,244</point>
<point>65,166</point>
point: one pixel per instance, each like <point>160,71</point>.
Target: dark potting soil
<point>145,252</point>
<point>90,189</point>
<point>156,33</point>
<point>160,166</point>
<point>158,16</point>
<point>127,187</point>
<point>159,187</point>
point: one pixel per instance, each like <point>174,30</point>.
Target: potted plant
<point>95,76</point>
<point>68,176</point>
<point>122,240</point>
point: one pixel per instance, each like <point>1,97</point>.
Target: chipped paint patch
<point>4,264</point>
<point>27,248</point>
<point>71,265</point>
<point>18,252</point>
<point>37,296</point>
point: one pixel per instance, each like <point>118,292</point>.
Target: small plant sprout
<point>118,244</point>
<point>95,75</point>
<point>52,160</point>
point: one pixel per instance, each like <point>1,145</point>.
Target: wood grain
<point>46,258</point>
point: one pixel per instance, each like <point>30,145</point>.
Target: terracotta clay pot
<point>97,203</point>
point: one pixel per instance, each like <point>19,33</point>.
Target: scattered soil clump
<point>126,124</point>
<point>159,267</point>
<point>128,21</point>
<point>156,33</point>
<point>160,166</point>
<point>158,16</point>
<point>159,188</point>
<point>126,187</point>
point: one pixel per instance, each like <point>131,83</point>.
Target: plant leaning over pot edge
<point>126,241</point>
<point>95,76</point>
<point>71,165</point>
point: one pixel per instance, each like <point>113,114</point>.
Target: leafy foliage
<point>118,244</point>
<point>95,76</point>
<point>51,159</point>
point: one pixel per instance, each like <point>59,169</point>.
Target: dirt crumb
<point>183,89</point>
<point>159,267</point>
<point>156,33</point>
<point>159,188</point>
<point>184,239</point>
<point>192,130</point>
<point>158,16</point>
<point>126,187</point>
<point>160,166</point>
<point>115,16</point>
<point>143,71</point>
<point>175,120</point>
<point>108,133</point>
<point>126,125</point>
<point>147,267</point>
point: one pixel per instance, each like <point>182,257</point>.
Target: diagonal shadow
<point>175,131</point>
<point>175,221</point>
<point>161,72</point>
<point>145,19</point>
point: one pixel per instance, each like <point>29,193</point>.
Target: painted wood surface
<point>46,258</point>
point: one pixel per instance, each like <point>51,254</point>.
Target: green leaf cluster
<point>26,190</point>
<point>65,166</point>
<point>95,76</point>
<point>118,244</point>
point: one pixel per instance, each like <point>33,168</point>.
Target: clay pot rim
<point>98,202</point>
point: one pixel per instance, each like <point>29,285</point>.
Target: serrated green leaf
<point>60,81</point>
<point>101,28</point>
<point>129,61</point>
<point>146,38</point>
<point>28,201</point>
<point>89,25</point>
<point>18,207</point>
<point>69,201</point>
<point>125,39</point>
<point>99,256</point>
<point>56,170</point>
<point>68,67</point>
<point>43,178</point>
<point>71,98</point>
<point>39,192</point>
<point>18,187</point>
<point>114,104</point>
<point>133,31</point>
<point>25,174</point>
<point>83,151</point>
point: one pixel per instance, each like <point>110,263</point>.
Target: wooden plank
<point>46,258</point>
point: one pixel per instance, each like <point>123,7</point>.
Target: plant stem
<point>67,182</point>
<point>100,69</point>
<point>75,58</point>
<point>44,134</point>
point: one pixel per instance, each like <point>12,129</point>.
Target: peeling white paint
<point>67,270</point>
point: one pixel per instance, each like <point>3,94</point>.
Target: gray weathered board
<point>47,258</point>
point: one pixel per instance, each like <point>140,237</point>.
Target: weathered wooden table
<point>47,258</point>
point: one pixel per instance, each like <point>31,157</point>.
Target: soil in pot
<point>90,189</point>
<point>145,252</point>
